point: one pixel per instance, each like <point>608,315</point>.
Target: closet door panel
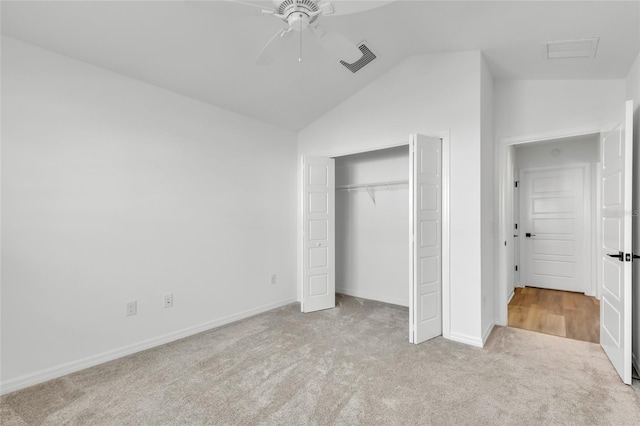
<point>318,217</point>
<point>426,236</point>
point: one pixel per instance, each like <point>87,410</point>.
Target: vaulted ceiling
<point>207,49</point>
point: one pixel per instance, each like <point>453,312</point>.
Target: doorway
<point>555,219</point>
<point>427,260</point>
<point>555,215</point>
<point>372,225</point>
<point>555,228</point>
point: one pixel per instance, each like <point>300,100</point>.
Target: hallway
<point>560,313</point>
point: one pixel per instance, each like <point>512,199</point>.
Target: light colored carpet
<point>349,365</point>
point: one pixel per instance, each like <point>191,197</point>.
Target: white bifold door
<point>425,220</point>
<point>616,255</point>
<point>319,243</point>
<point>425,189</point>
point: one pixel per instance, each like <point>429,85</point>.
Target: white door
<point>553,237</point>
<point>425,187</point>
<point>615,303</point>
<point>318,218</point>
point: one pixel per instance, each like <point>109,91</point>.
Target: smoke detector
<point>584,48</point>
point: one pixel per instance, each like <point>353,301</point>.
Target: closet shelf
<point>373,185</point>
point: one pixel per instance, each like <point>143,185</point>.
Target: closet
<point>372,225</point>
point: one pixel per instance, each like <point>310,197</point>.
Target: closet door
<point>425,186</point>
<point>318,218</point>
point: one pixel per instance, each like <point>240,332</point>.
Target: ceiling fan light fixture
<point>289,8</point>
<point>298,21</point>
<point>299,16</point>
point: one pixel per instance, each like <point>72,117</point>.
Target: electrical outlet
<point>132,307</point>
<point>168,300</point>
<point>274,279</point>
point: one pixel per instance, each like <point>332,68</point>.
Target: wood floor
<point>561,313</point>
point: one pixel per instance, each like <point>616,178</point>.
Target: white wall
<point>489,285</point>
<point>428,94</point>
<point>580,149</point>
<point>633,92</point>
<point>539,108</point>
<point>372,240</point>
<point>113,190</point>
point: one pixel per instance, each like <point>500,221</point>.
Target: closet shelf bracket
<point>372,194</point>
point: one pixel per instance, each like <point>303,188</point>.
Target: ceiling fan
<point>299,16</point>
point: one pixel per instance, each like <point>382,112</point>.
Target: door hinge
<point>516,226</point>
<point>516,183</point>
<point>516,268</point>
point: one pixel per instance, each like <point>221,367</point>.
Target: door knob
<point>619,256</point>
<point>529,235</point>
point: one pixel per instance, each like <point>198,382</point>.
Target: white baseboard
<point>487,333</point>
<point>41,376</point>
<point>513,293</point>
<point>371,296</point>
<point>467,340</point>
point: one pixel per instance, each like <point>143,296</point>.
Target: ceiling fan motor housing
<point>299,14</point>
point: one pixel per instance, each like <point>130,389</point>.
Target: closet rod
<point>370,185</point>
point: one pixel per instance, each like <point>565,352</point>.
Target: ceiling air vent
<point>367,56</point>
<point>585,48</point>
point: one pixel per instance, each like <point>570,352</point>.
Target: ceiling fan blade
<point>272,48</point>
<point>260,6</point>
<point>326,8</point>
<point>347,7</point>
<point>337,45</point>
